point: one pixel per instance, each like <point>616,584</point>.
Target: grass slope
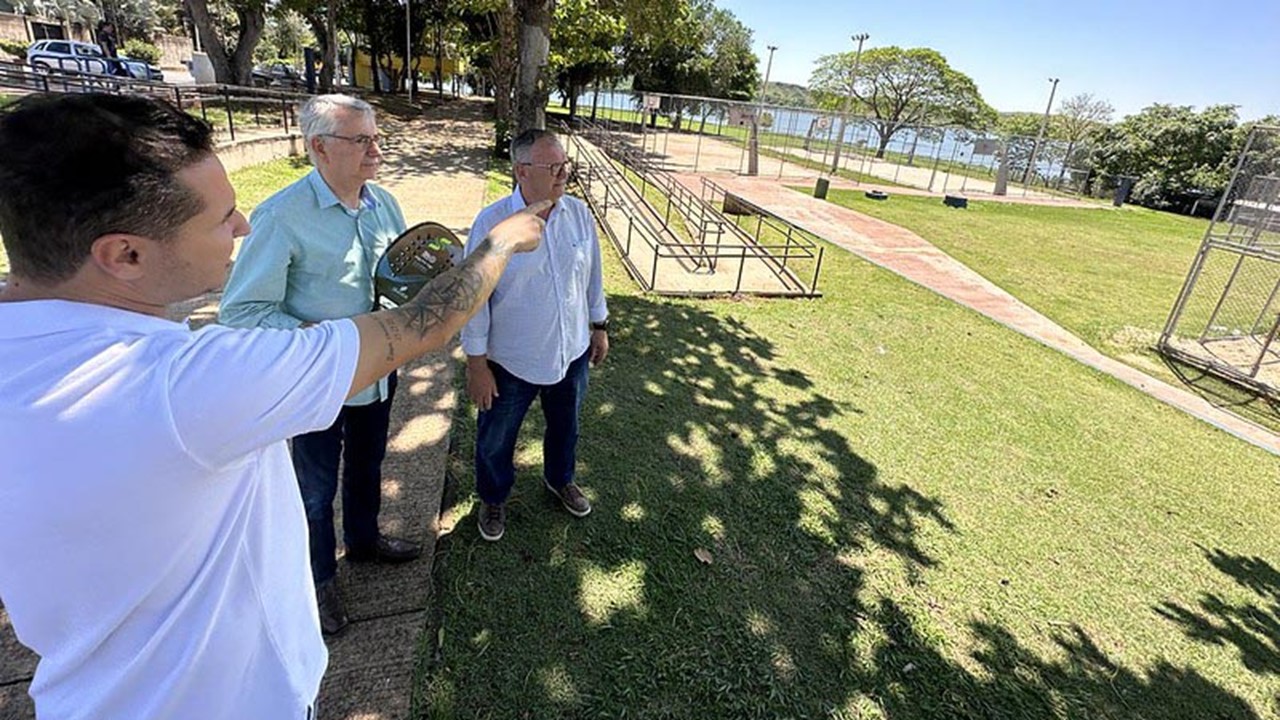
<point>910,512</point>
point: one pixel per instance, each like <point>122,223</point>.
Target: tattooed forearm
<point>393,337</point>
<point>450,297</point>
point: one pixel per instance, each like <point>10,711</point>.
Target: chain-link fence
<point>706,135</point>
<point>1227,316</point>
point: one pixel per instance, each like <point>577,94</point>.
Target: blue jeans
<point>498,427</point>
<point>359,437</point>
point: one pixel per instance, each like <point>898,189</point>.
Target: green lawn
<point>908,512</point>
<point>1109,276</point>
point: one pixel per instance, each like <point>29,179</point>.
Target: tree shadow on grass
<point>1252,628</point>
<point>744,560</point>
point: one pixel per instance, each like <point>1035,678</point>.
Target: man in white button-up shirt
<point>153,545</point>
<point>544,323</point>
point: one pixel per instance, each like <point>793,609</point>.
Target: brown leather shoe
<point>492,521</point>
<point>572,498</point>
<point>333,616</point>
<point>389,550</point>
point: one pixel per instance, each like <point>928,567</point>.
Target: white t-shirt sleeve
<point>232,392</point>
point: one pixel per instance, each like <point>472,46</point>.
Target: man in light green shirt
<point>311,256</point>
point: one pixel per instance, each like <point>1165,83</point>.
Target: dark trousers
<point>498,427</point>
<point>359,438</point>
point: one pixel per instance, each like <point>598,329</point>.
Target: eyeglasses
<point>364,141</point>
<point>553,168</point>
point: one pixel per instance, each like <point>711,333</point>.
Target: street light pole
<point>764,90</point>
<point>844,114</point>
<point>753,132</point>
<point>1044,123</point>
<point>408,48</point>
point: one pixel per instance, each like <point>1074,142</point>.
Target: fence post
<point>231,123</point>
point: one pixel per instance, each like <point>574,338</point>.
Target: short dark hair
<point>76,167</point>
<point>522,143</point>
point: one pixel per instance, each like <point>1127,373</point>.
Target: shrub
<point>140,50</point>
<point>16,48</point>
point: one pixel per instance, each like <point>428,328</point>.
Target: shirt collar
<point>325,196</point>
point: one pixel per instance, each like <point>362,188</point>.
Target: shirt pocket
<point>344,264</point>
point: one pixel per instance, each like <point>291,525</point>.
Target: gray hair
<point>522,144</point>
<point>319,116</point>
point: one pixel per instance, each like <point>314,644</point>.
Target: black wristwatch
<point>602,325</point>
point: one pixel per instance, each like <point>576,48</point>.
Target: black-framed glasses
<point>364,141</point>
<point>553,168</point>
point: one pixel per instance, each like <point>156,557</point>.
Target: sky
<point>1131,53</point>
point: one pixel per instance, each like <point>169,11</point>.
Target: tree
<point>701,51</point>
<point>533,45</point>
<point>899,88</point>
<point>286,34</point>
<point>1019,130</point>
<point>322,19</point>
<point>70,11</point>
<point>732,67</point>
<point>232,62</point>
<point>490,40</point>
<point>584,42</point>
<point>1080,118</point>
<point>1174,152</point>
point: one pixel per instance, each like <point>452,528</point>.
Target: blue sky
<point>1131,53</point>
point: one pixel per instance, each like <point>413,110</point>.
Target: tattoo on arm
<point>393,335</point>
<point>454,292</point>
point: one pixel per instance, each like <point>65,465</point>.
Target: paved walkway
<point>436,168</point>
<point>908,255</point>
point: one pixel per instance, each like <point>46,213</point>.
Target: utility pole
<point>844,114</point>
<point>1044,123</point>
<point>753,154</point>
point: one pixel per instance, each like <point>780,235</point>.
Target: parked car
<point>277,75</point>
<point>85,57</point>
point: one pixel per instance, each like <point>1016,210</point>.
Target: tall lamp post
<point>753,139</point>
<point>1044,123</point>
<point>764,89</point>
<point>844,114</point>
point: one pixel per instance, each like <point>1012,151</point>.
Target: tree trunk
<point>328,55</point>
<point>252,22</point>
<point>439,61</point>
<point>534,46</point>
<point>375,46</point>
<point>213,47</point>
<point>230,68</point>
<point>885,137</point>
<point>504,65</point>
<point>573,103</point>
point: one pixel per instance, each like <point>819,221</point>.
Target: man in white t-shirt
<point>153,546</point>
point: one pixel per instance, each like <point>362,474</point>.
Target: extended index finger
<point>538,207</point>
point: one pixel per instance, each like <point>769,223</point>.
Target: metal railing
<point>797,244</point>
<point>687,227</point>
<point>230,109</point>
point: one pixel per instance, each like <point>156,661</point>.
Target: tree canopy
<point>896,88</point>
<point>1173,151</point>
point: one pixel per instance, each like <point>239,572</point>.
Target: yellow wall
<point>426,67</point>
